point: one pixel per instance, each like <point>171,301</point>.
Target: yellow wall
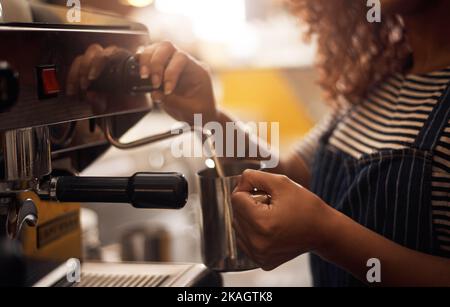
<point>265,95</point>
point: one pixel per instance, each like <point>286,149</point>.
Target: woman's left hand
<point>295,222</point>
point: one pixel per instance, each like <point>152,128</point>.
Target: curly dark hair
<point>353,54</point>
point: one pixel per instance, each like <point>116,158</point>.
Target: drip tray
<point>134,275</point>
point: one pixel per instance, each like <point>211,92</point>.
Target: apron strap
<point>433,128</point>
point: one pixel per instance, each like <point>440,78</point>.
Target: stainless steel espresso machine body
<point>47,138</point>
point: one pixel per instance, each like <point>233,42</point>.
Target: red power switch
<point>48,85</point>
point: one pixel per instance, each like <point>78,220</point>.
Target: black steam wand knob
<point>143,190</point>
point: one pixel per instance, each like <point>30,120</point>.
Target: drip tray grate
<point>144,275</point>
<point>121,280</point>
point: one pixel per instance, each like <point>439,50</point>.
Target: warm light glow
<point>138,3</point>
<point>210,163</point>
<point>218,20</point>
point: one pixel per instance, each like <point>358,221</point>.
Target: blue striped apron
<point>388,191</point>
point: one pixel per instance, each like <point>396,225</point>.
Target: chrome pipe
<point>26,153</point>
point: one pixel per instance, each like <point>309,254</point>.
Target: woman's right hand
<point>185,84</point>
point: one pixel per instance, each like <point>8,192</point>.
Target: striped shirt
<point>391,118</point>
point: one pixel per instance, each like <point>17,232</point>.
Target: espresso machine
<point>47,138</point>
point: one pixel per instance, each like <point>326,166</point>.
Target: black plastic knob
<point>9,86</point>
<point>143,190</point>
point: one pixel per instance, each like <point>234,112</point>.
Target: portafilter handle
<point>143,190</point>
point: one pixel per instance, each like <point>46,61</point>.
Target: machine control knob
<point>9,86</point>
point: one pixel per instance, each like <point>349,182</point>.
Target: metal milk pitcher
<point>219,247</point>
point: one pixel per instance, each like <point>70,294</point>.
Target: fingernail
<point>168,88</point>
<point>140,50</point>
<point>145,72</point>
<point>156,81</point>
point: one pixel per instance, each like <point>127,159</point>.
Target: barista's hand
<point>294,222</point>
<point>185,84</point>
